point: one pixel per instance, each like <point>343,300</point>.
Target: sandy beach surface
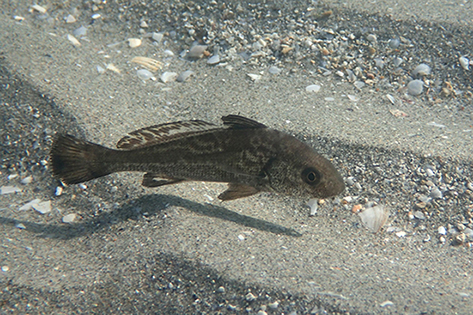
<point>337,75</point>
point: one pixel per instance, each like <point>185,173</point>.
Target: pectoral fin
<point>155,180</point>
<point>236,191</point>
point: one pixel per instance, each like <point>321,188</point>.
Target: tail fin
<point>75,161</point>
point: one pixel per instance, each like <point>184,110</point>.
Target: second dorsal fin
<point>164,133</point>
<point>240,122</point>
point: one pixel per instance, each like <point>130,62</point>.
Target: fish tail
<point>75,161</point>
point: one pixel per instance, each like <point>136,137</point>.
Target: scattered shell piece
<point>421,70</point>
<point>134,42</point>
<point>391,99</point>
<point>313,88</point>
<point>158,37</point>
<point>113,68</point>
<point>274,70</point>
<point>434,124</point>
<point>145,75</point>
<point>168,53</point>
<point>386,303</point>
<point>465,63</point>
<point>273,305</point>
<point>73,40</point>
<point>27,180</point>
<point>254,77</point>
<point>401,234</point>
<point>374,218</point>
<point>168,77</point>
<point>69,218</point>
<point>43,207</point>
<point>353,98</point>
<point>398,113</point>
<point>442,230</point>
<point>100,69</point>
<point>215,59</point>
<point>398,61</point>
<point>196,51</point>
<point>58,191</point>
<point>70,19</point>
<point>185,75</point>
<point>250,297</point>
<point>415,87</point>
<point>312,203</point>
<point>12,176</point>
<point>18,18</point>
<point>20,226</point>
<point>40,9</point>
<point>359,84</point>
<point>83,186</point>
<point>143,24</point>
<point>29,205</point>
<point>4,190</point>
<point>81,31</point>
<point>5,268</point>
<point>148,63</point>
<point>96,16</point>
<point>436,193</point>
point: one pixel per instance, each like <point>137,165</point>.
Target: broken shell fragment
<point>168,77</point>
<point>185,75</point>
<point>374,218</point>
<point>73,40</point>
<point>134,42</point>
<point>149,63</point>
<point>196,51</point>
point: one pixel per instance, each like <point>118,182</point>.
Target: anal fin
<point>236,191</point>
<point>155,180</point>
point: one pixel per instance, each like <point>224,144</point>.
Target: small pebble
<point>372,38</point>
<point>12,176</point>
<point>401,234</point>
<point>359,84</point>
<point>465,63</point>
<point>69,218</point>
<point>436,193</point>
<point>5,268</point>
<point>39,8</point>
<point>415,87</point>
<point>27,180</point>
<point>70,19</point>
<point>221,290</point>
<point>421,70</point>
<point>196,51</point>
<point>73,40</point>
<point>43,207</point>
<point>4,190</point>
<point>273,305</point>
<point>429,172</point>
<point>96,16</point>
<point>419,215</point>
<point>398,61</point>
<point>158,37</point>
<point>394,43</point>
<point>313,88</point>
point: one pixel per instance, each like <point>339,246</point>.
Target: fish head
<point>304,173</point>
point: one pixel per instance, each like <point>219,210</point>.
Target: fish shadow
<point>143,209</point>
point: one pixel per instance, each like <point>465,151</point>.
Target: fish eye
<point>311,176</point>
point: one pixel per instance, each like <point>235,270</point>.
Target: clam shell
<point>134,42</point>
<point>149,63</point>
<point>374,218</point>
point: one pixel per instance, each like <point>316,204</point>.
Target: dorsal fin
<point>240,122</point>
<point>164,133</point>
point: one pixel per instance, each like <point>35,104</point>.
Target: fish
<point>247,155</point>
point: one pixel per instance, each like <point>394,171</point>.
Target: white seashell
<point>43,207</point>
<point>421,70</point>
<point>69,218</point>
<point>185,75</point>
<point>134,42</point>
<point>312,203</point>
<point>39,8</point>
<point>313,88</point>
<point>9,190</point>
<point>213,60</point>
<point>168,53</point>
<point>18,18</point>
<point>96,16</point>
<point>70,19</point>
<point>391,99</point>
<point>374,218</point>
<point>29,205</point>
<point>168,76</point>
<point>27,180</point>
<point>113,68</point>
<point>196,51</point>
<point>149,63</point>
<point>254,77</point>
<point>158,37</point>
<point>145,75</point>
<point>465,63</point>
<point>73,40</point>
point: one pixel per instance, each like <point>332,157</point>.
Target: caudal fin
<point>75,161</point>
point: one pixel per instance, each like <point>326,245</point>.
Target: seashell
<point>185,75</point>
<point>213,60</point>
<point>145,75</point>
<point>148,63</point>
<point>313,206</point>
<point>254,77</point>
<point>73,40</point>
<point>313,88</point>
<point>168,76</point>
<point>69,218</point>
<point>465,63</point>
<point>113,68</point>
<point>421,70</point>
<point>70,19</point>
<point>134,42</point>
<point>40,9</point>
<point>374,218</point>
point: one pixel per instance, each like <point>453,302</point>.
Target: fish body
<point>244,153</point>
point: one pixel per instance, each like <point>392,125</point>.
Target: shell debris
<point>134,42</point>
<point>149,63</point>
<point>73,40</point>
<point>374,218</point>
<point>113,68</point>
<point>38,8</point>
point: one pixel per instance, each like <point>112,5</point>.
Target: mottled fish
<point>244,153</point>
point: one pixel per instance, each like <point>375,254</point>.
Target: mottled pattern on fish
<point>244,153</point>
